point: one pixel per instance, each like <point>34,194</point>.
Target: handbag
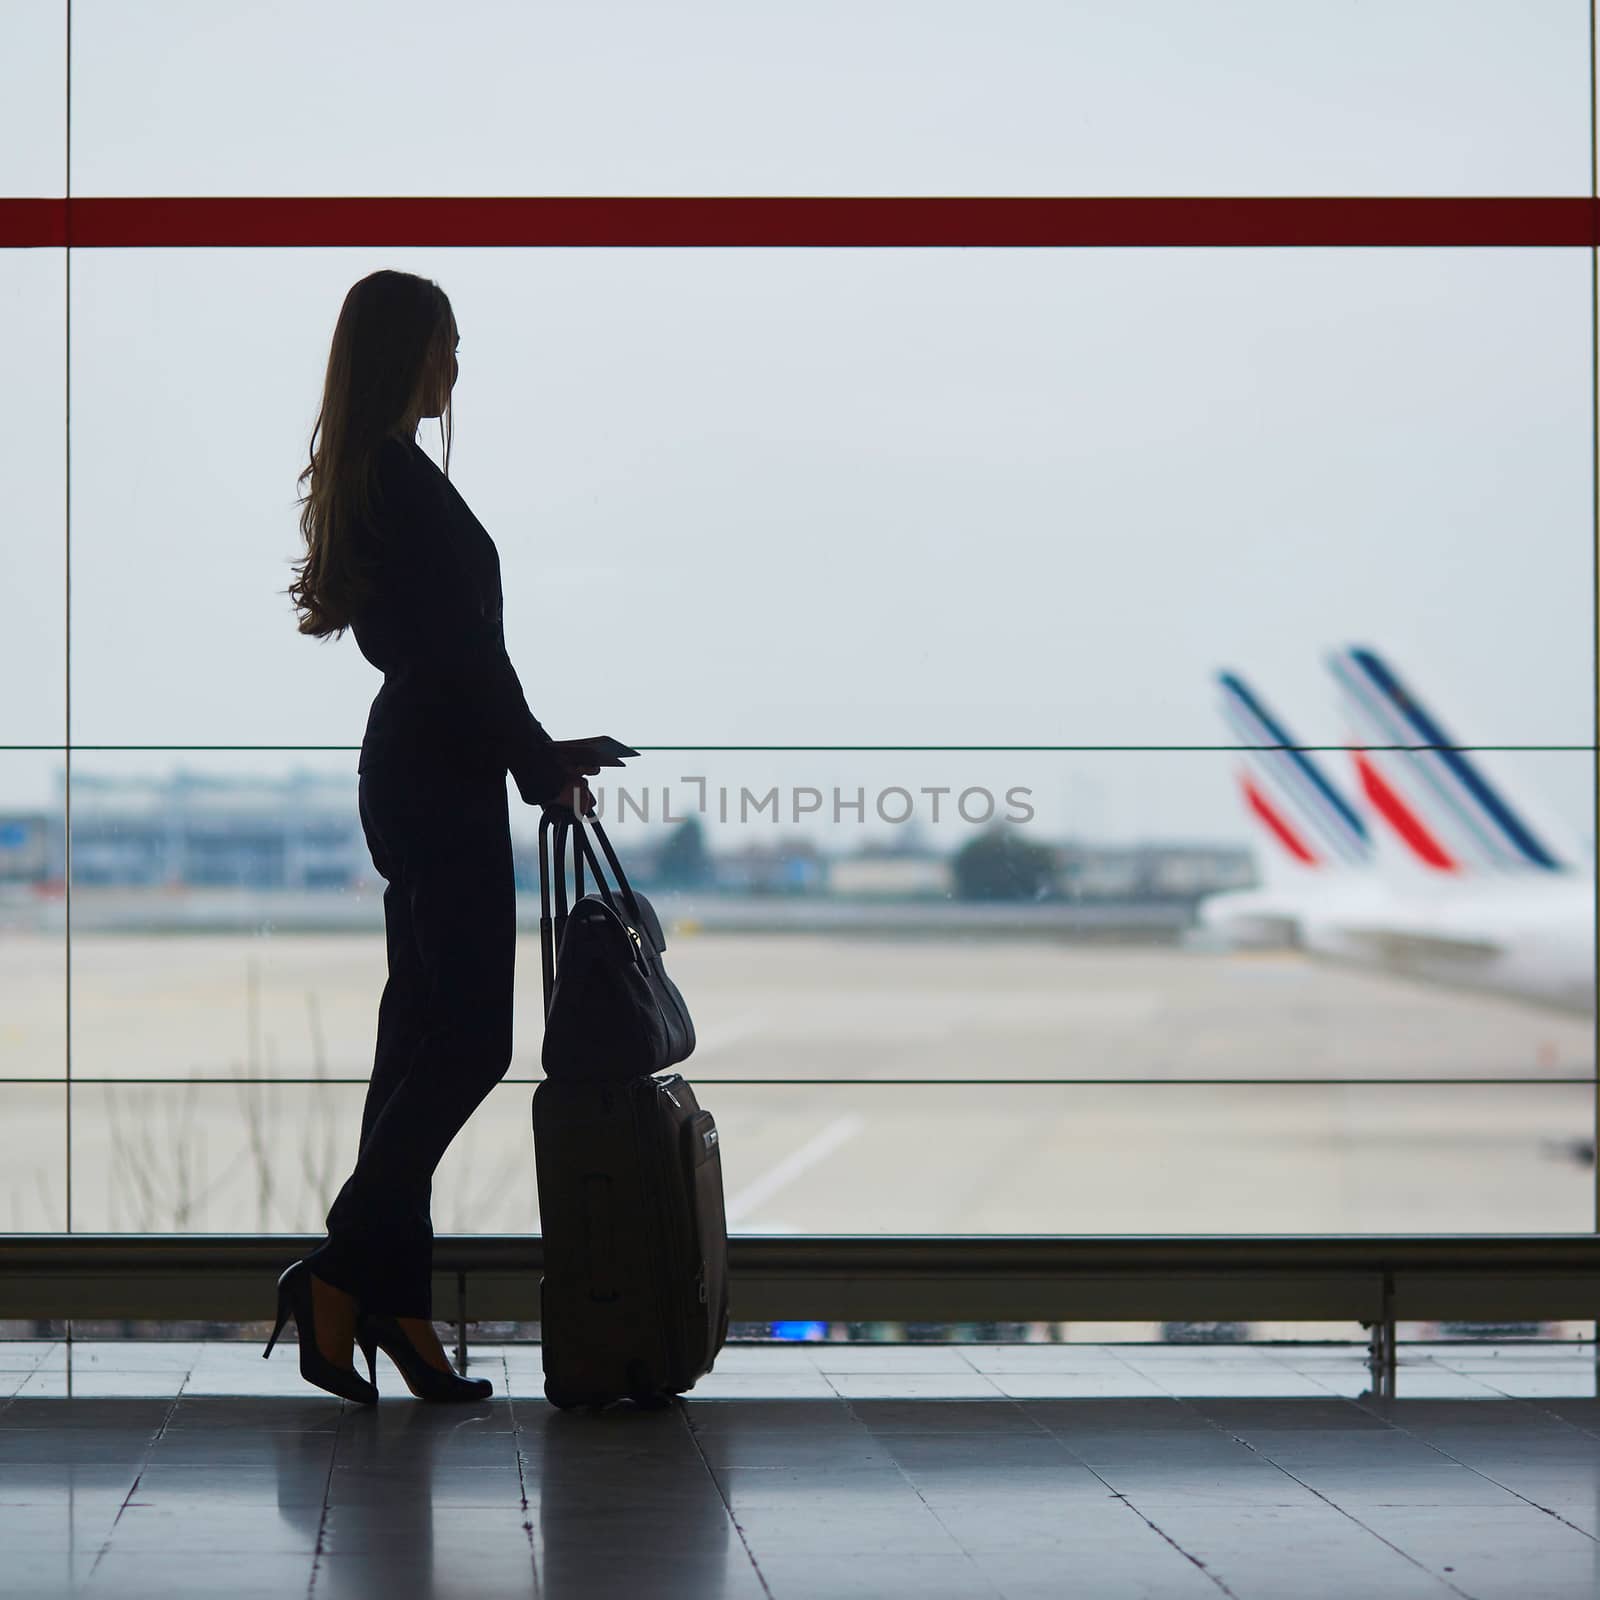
<point>611,1011</point>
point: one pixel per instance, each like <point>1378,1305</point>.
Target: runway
<point>234,1141</point>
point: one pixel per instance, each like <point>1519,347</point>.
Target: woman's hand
<point>575,797</point>
<point>583,758</point>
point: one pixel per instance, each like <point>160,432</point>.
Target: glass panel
<point>33,106</point>
<point>1138,919</point>
<point>1035,915</point>
<point>33,1158</point>
<point>227,920</point>
<point>33,946</point>
<point>1086,942</point>
<point>218,1157</point>
<point>1167,1159</point>
<point>938,497</point>
<point>1020,97</point>
<point>224,528</point>
<point>252,1157</point>
<point>33,551</point>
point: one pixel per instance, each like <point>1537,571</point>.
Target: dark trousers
<point>443,842</point>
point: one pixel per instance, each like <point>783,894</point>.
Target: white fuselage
<point>1532,938</point>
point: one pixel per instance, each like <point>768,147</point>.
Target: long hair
<point>392,348</point>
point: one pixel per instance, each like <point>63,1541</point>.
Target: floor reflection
<point>626,1505</point>
<point>418,1500</point>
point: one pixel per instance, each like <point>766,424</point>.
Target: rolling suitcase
<point>634,1296</point>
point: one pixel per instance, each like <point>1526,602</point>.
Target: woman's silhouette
<point>394,554</point>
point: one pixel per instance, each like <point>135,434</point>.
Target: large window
<point>912,570</point>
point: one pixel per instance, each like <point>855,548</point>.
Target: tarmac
<point>885,1096</point>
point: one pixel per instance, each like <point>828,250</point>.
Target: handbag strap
<point>553,872</point>
<point>629,899</point>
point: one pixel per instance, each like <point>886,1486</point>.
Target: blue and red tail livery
<point>1429,791</point>
<point>1285,788</point>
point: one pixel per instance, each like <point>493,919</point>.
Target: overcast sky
<point>831,496</point>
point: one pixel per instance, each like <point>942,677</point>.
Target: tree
<point>684,862</point>
<point>1001,864</point>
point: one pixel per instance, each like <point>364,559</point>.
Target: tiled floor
<point>834,1470</point>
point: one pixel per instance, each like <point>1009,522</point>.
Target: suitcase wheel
<point>561,1399</point>
<point>642,1391</point>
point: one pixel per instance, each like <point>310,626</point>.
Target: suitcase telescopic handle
<point>547,957</point>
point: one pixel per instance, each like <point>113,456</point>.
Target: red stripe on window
<point>794,221</point>
<point>1286,836</point>
<point>28,224</point>
<point>1401,818</point>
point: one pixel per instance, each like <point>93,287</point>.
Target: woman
<point>393,554</point>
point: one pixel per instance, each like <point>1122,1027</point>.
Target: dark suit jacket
<point>431,623</point>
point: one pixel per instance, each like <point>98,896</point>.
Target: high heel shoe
<point>294,1295</point>
<point>375,1331</point>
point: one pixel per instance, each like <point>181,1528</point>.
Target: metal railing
<point>1376,1281</point>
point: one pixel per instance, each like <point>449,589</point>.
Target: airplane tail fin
<point>1290,796</point>
<point>1439,800</point>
